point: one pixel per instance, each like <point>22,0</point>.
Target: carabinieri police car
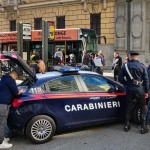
<point>62,100</point>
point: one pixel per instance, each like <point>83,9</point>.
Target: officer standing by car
<point>134,76</point>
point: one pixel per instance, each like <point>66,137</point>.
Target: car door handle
<point>95,98</point>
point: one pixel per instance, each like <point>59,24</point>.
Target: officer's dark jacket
<point>138,72</point>
<point>148,71</point>
<point>8,89</point>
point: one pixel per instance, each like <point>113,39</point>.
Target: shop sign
<point>66,35</point>
<point>60,35</point>
<point>36,35</point>
<point>6,37</point>
<point>51,30</point>
<point>26,31</point>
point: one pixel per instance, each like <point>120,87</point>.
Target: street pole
<point>128,26</point>
<point>28,50</point>
<point>20,39</point>
<point>20,43</point>
<point>44,41</point>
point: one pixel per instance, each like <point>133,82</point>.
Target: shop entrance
<point>70,47</point>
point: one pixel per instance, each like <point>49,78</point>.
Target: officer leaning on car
<point>8,90</point>
<point>135,78</point>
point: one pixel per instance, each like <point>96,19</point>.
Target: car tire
<point>136,115</point>
<point>40,129</point>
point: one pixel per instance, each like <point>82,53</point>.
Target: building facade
<point>137,13</point>
<point>95,14</point>
<point>108,17</point>
<point>77,14</point>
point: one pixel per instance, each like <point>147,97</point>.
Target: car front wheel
<point>40,129</point>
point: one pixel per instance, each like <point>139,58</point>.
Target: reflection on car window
<point>63,84</point>
<point>95,83</point>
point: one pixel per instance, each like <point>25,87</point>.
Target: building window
<point>37,23</point>
<point>60,22</point>
<point>95,23</point>
<point>12,25</point>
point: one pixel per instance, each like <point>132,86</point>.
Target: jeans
<point>4,110</point>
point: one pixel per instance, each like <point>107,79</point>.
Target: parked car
<point>63,100</point>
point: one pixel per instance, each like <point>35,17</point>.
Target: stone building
<point>107,17</point>
<point>96,14</point>
<point>139,24</point>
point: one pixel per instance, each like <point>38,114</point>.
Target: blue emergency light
<point>66,69</point>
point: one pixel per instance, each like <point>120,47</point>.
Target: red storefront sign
<point>60,35</point>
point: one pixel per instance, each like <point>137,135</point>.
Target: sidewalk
<point>108,73</point>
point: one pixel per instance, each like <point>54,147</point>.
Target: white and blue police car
<point>62,100</point>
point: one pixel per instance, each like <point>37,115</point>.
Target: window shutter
<point>60,22</point>
<point>37,23</point>
<point>95,23</point>
<point>12,25</point>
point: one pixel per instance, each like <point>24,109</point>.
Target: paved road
<point>103,137</point>
<point>108,74</point>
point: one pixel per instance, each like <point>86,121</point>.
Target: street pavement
<point>103,137</point>
<point>108,74</point>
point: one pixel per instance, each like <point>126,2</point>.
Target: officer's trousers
<point>116,73</point>
<point>148,113</point>
<point>135,98</point>
<point>4,110</point>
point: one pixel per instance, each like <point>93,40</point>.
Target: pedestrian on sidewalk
<point>100,54</point>
<point>33,53</point>
<point>116,66</point>
<point>91,61</point>
<point>72,61</point>
<point>40,64</point>
<point>57,57</point>
<point>134,77</point>
<point>85,61</point>
<point>98,64</point>
<point>8,90</point>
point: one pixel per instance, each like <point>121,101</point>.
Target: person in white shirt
<point>98,64</point>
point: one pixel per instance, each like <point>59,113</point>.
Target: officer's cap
<point>134,53</point>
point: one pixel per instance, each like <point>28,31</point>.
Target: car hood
<point>14,57</point>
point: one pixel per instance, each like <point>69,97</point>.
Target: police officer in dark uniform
<point>134,76</point>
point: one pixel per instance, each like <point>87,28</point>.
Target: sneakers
<point>144,130</point>
<point>6,139</point>
<point>5,145</point>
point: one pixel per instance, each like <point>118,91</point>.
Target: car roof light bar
<point>65,69</point>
